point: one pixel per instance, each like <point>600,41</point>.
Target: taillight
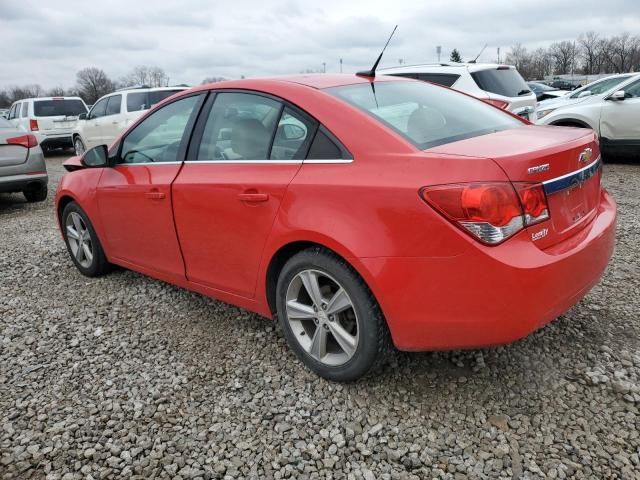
<point>491,212</point>
<point>497,103</point>
<point>33,125</point>
<point>27,141</point>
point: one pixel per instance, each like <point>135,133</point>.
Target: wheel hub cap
<point>79,239</point>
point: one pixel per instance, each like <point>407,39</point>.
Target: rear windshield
<point>426,115</point>
<point>54,108</point>
<point>502,81</point>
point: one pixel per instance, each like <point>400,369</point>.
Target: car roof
<point>47,98</point>
<point>315,80</point>
<point>148,89</point>
<point>444,66</point>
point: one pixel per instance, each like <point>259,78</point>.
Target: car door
<point>92,128</point>
<point>112,124</point>
<point>246,150</point>
<point>134,196</point>
<point>620,119</point>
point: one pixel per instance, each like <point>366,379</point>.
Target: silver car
<point>22,167</point>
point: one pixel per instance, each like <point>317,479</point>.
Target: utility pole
<point>439,51</point>
<point>324,67</point>
<point>340,65</point>
<point>498,54</point>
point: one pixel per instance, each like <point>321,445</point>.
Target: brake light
<point>33,125</point>
<point>27,141</point>
<point>497,103</point>
<point>490,212</point>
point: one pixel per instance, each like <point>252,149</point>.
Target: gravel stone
<point>128,377</point>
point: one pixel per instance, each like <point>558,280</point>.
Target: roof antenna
<point>372,72</point>
<point>478,56</point>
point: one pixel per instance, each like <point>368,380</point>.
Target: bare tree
<point>563,54</point>
<point>624,49</point>
<point>146,75</point>
<point>590,48</point>
<point>213,80</point>
<point>93,83</point>
<point>56,92</point>
<point>541,64</point>
<point>26,91</point>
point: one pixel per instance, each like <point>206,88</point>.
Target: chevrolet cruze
<point>363,212</point>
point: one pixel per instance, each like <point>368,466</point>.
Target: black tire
<point>36,193</point>
<point>99,264</point>
<point>374,341</point>
<point>78,146</point>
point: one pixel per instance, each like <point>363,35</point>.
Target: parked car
<point>22,167</point>
<point>564,84</point>
<point>394,210</point>
<point>544,92</point>
<point>114,112</point>
<point>500,85</point>
<point>50,119</point>
<point>611,108</point>
<point>4,113</point>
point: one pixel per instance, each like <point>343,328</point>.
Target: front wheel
<point>329,316</point>
<point>78,146</point>
<point>82,242</point>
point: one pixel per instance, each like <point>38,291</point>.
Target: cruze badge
<point>585,155</point>
<point>538,169</point>
<point>538,235</point>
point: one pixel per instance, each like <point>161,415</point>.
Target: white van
<point>50,119</point>
<point>113,113</point>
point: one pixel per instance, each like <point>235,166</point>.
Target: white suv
<point>611,107</point>
<point>113,113</point>
<point>500,85</point>
<point>50,119</point>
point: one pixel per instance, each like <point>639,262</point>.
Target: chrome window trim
<point>145,163</point>
<point>270,162</point>
<point>572,179</point>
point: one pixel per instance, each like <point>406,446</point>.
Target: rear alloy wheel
<point>36,193</point>
<point>329,317</point>
<point>78,146</point>
<point>82,242</point>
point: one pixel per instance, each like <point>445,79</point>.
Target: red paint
<point>214,228</point>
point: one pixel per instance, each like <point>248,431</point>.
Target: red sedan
<point>363,212</point>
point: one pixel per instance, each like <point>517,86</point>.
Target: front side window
<point>596,88</point>
<point>157,138</point>
<point>113,105</point>
<point>99,109</point>
<point>25,109</point>
<point>58,107</point>
<point>632,91</point>
<point>426,115</point>
<point>240,126</point>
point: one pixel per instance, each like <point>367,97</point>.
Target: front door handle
<point>154,195</point>
<point>253,197</point>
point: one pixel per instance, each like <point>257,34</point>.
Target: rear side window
<point>445,79</point>
<point>158,96</point>
<point>113,105</point>
<point>501,81</point>
<point>12,112</point>
<point>324,148</point>
<point>137,101</point>
<point>293,136</point>
<point>54,108</point>
<point>424,114</point>
<point>240,126</point>
<point>25,109</point>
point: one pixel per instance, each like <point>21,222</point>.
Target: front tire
<point>78,146</point>
<point>82,242</point>
<point>329,316</point>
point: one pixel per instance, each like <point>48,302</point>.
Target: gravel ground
<point>125,376</point>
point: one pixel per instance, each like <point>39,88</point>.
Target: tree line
<point>91,84</point>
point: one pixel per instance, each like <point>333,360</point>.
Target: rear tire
<point>339,331</point>
<point>82,242</point>
<point>36,193</point>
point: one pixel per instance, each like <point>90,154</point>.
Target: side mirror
<point>82,116</point>
<point>97,157</point>
<point>617,96</point>
<point>586,93</point>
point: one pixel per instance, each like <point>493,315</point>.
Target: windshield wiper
<point>524,92</point>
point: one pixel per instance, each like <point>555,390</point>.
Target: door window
<point>12,113</point>
<point>293,136</point>
<point>99,109</point>
<point>136,101</point>
<point>113,105</point>
<point>157,138</point>
<point>25,109</point>
<point>240,126</point>
<point>632,91</point>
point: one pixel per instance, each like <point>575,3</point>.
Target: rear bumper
<point>55,140</point>
<point>491,295</point>
<point>18,183</point>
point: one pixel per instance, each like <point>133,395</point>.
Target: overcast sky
<point>47,42</point>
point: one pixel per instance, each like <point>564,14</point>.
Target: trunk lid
<point>11,155</point>
<point>565,160</point>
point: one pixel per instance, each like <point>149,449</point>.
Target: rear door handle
<point>154,195</point>
<point>253,197</point>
